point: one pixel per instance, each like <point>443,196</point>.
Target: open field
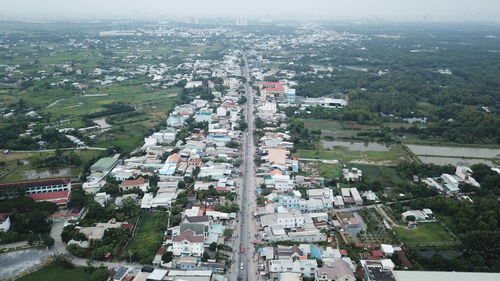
<point>424,233</point>
<point>384,174</point>
<point>137,96</point>
<point>392,156</point>
<point>328,171</point>
<point>57,273</point>
<point>148,238</point>
<point>322,124</point>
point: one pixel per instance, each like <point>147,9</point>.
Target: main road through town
<point>246,260</point>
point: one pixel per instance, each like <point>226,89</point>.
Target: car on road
<point>242,249</point>
<point>241,265</point>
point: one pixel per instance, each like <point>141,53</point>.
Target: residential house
<point>140,183</point>
<point>338,270</point>
<point>305,267</point>
<point>187,243</point>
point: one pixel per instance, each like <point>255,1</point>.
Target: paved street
<point>16,262</point>
<point>247,229</point>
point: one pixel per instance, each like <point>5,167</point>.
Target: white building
<point>193,84</point>
<point>354,175</point>
<point>4,222</point>
<point>305,267</point>
<point>325,102</point>
<point>187,243</point>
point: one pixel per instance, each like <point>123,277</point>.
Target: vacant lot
<point>322,124</point>
<point>57,273</point>
<point>29,172</point>
<point>385,174</point>
<point>424,233</point>
<point>391,157</point>
<point>148,238</point>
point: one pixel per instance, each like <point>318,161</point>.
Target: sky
<point>400,10</point>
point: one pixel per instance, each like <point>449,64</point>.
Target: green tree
<point>167,257</point>
<point>205,256</point>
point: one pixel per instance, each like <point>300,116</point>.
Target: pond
<point>453,161</point>
<point>448,254</point>
<point>358,146</point>
<point>451,151</point>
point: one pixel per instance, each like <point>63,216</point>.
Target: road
<point>246,228</point>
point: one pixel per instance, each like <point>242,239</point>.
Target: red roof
<point>56,197</point>
<point>377,253</point>
<point>4,216</point>
<point>221,189</point>
<point>161,251</point>
<point>275,172</point>
<point>127,226</point>
<point>354,221</point>
<point>138,181</point>
<point>404,259</point>
<point>273,86</point>
<point>188,235</point>
<point>36,183</point>
<point>343,252</point>
<point>174,158</point>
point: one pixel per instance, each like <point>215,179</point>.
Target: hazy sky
<point>334,9</point>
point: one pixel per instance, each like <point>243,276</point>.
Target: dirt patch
<point>353,125</point>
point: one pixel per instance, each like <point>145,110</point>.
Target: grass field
<point>384,174</point>
<point>149,237</point>
<point>57,273</point>
<point>424,233</point>
<point>322,124</point>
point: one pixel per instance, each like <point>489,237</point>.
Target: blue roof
<point>315,252</point>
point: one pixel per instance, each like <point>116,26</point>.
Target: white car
<point>241,265</point>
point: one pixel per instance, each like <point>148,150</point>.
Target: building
<point>305,267</point>
<point>450,183</point>
<point>4,222</point>
<point>465,174</point>
<point>325,102</point>
<point>387,250</point>
<point>418,214</point>
<point>36,186</point>
<point>120,273</point>
<point>140,183</point>
<point>104,164</point>
<point>354,175</point>
<point>157,275</point>
<point>187,243</point>
<point>338,270</point>
<point>271,89</point>
<point>351,196</point>
<point>61,198</point>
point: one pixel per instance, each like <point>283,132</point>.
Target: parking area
<point>15,262</point>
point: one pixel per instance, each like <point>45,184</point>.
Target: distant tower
<point>241,21</point>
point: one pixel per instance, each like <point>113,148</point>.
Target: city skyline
<point>426,10</point>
